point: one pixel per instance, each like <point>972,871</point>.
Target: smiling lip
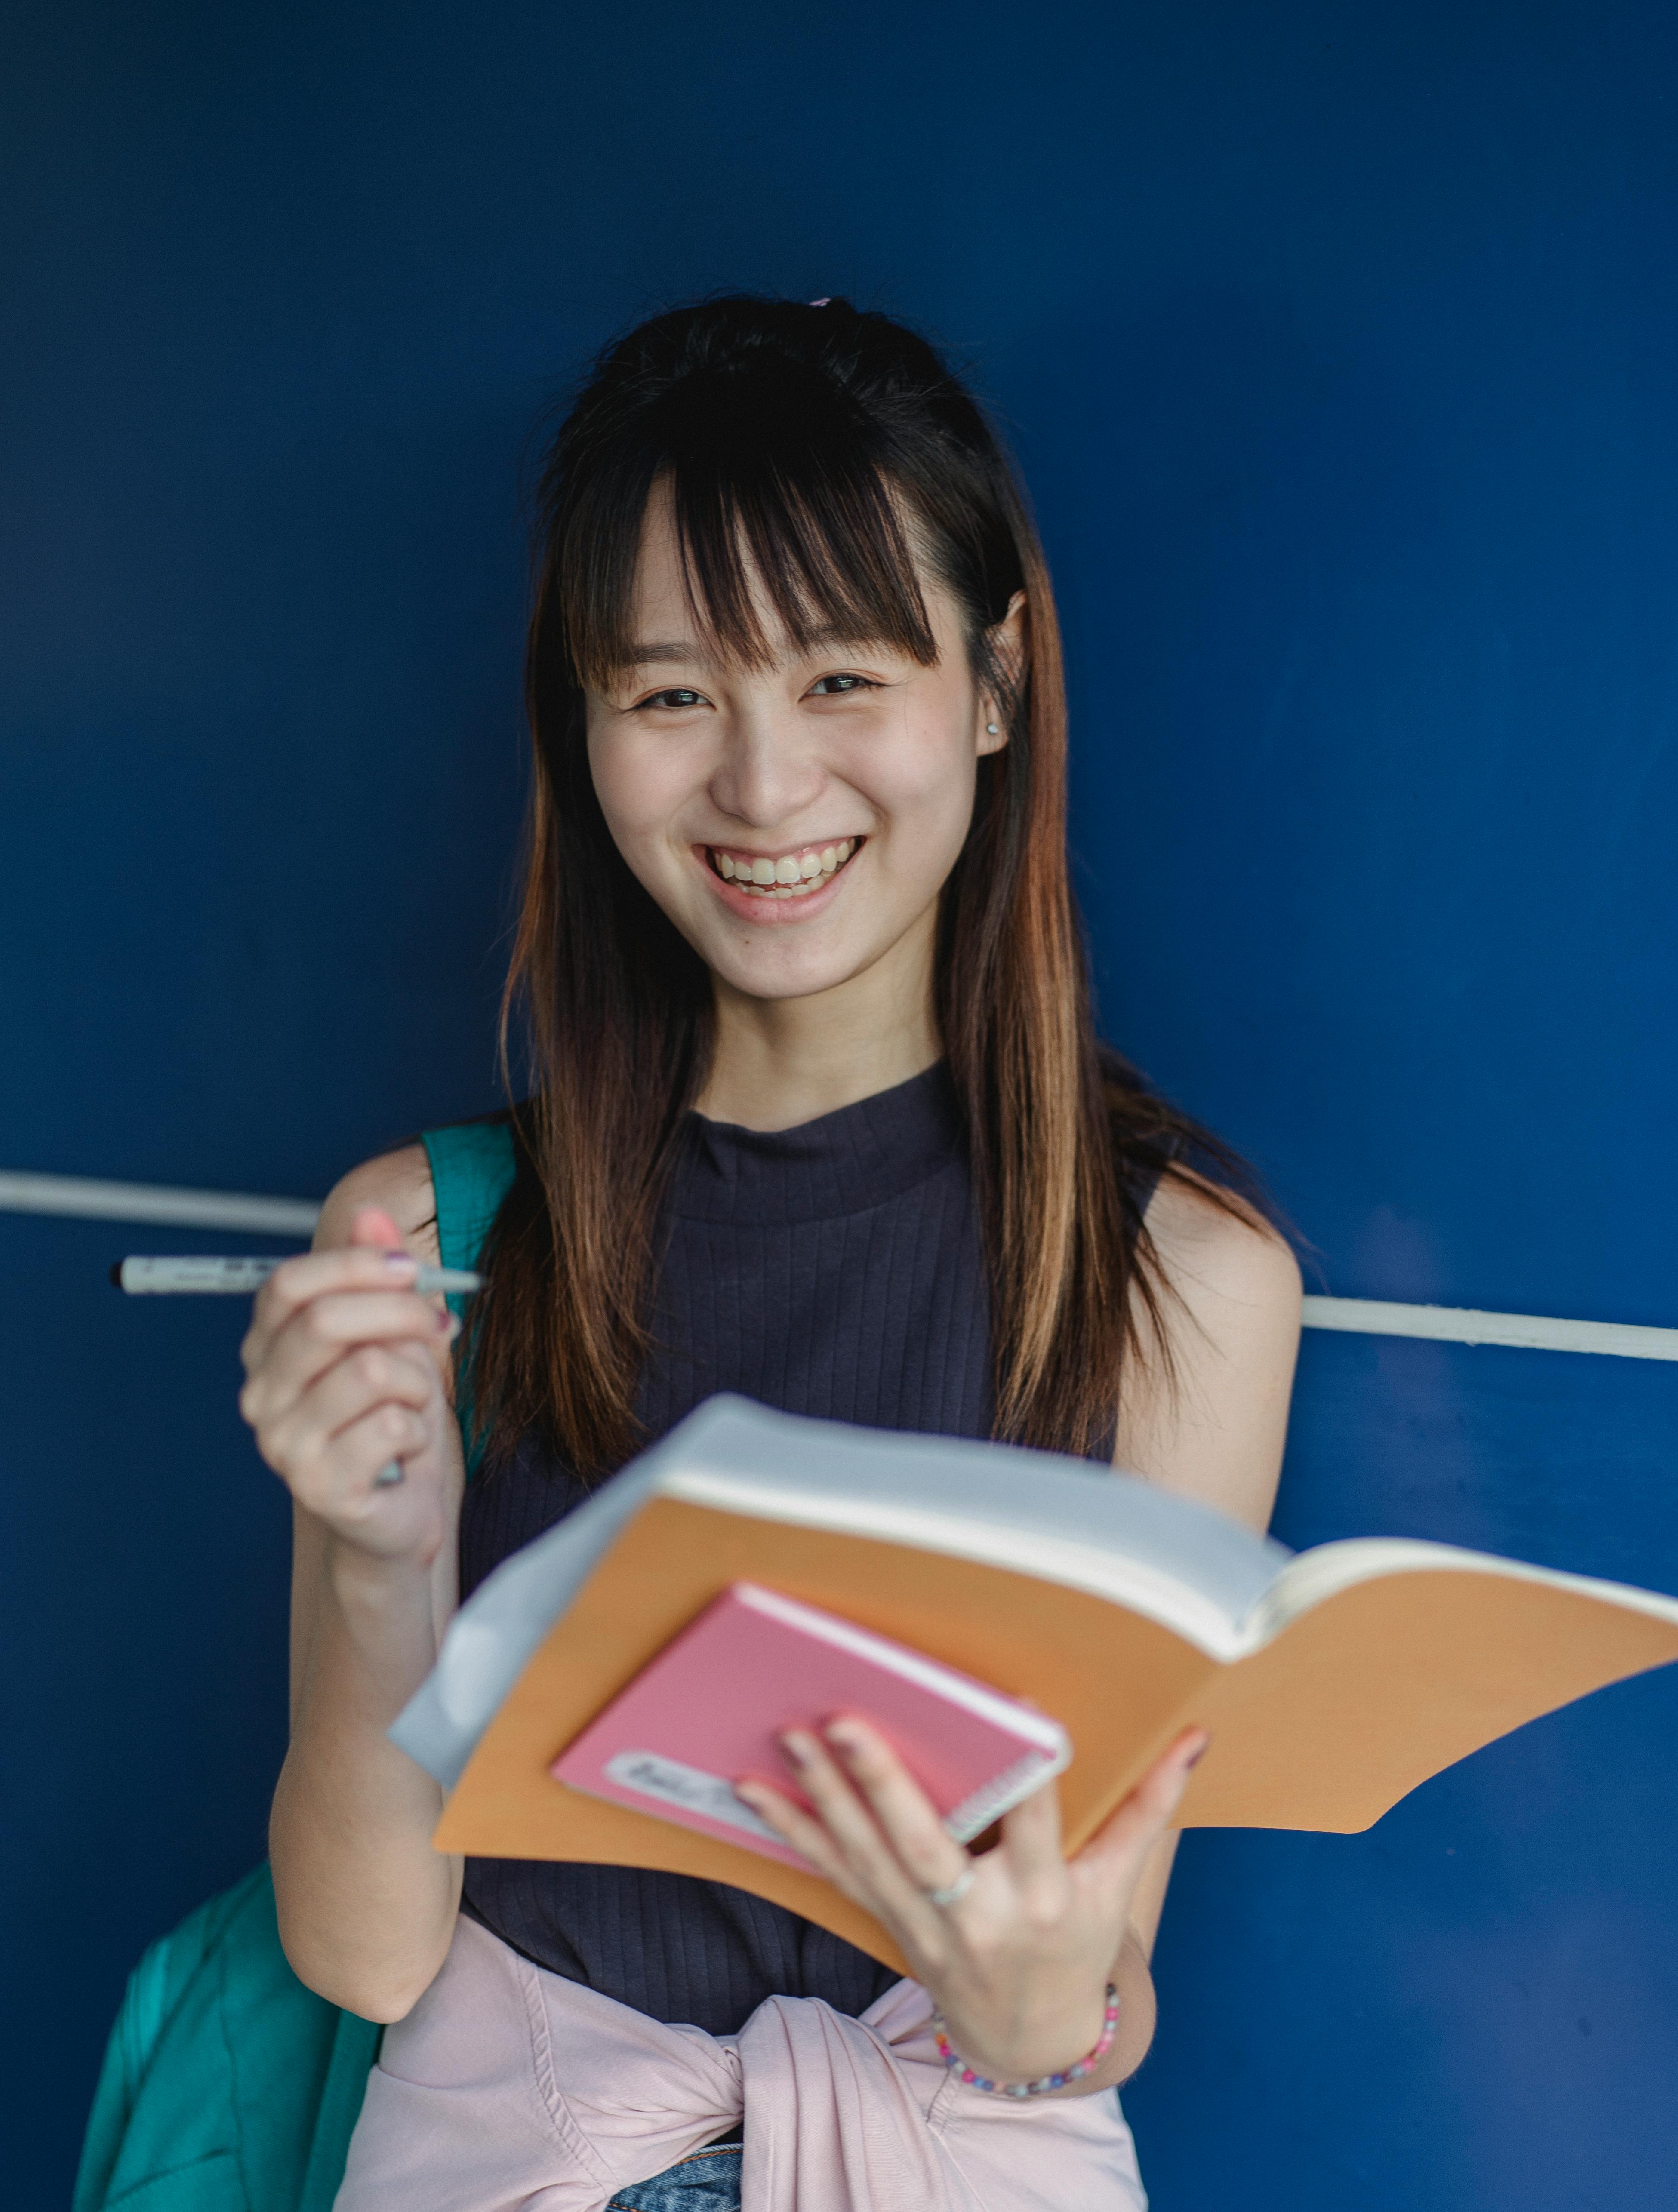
<point>778,886</point>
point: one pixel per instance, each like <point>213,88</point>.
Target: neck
<point>779,1062</point>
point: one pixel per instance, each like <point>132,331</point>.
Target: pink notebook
<point>709,1710</point>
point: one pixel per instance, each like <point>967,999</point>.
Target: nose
<point>766,772</point>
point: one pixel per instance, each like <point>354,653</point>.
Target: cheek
<point>629,785</point>
<point>925,783</point>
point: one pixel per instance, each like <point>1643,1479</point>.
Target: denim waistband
<point>709,2181</point>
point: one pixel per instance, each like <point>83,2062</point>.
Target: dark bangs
<point>776,480</point>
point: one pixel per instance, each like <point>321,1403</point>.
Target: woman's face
<point>796,822</point>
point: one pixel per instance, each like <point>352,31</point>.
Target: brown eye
<point>674,698</point>
<point>836,687</point>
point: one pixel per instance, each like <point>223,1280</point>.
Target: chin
<point>774,979</point>
<point>785,971</point>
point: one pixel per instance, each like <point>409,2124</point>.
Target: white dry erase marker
<point>205,1275</point>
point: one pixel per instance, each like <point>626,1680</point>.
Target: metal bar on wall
<point>156,1203</point>
<point>1466,1325</point>
<point>164,1207</point>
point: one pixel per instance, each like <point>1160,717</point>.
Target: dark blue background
<point>1340,346</point>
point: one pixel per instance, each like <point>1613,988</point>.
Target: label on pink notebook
<point>711,1708</point>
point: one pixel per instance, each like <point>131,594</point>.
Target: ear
<point>1010,643</point>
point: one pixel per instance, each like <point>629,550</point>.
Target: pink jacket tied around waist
<point>510,2089</point>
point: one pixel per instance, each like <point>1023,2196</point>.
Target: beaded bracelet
<point>1044,2082</point>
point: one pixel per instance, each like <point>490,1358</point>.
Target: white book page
<point>1065,1521</point>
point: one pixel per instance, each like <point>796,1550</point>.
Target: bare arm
<point>1216,1437</point>
<point>347,1367</point>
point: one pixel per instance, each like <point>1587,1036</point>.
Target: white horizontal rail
<point>157,1204</point>
<point>166,1208</point>
<point>1466,1325</point>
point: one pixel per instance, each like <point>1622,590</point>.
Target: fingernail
<point>1195,1757</point>
<point>842,1734</point>
<point>447,1323</point>
<point>798,1748</point>
<point>401,1262</point>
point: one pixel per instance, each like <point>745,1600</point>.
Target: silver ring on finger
<point>952,1893</point>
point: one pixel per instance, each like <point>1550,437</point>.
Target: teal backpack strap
<point>472,1168</point>
<point>471,1172</point>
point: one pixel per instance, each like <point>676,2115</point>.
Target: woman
<point>817,1113</point>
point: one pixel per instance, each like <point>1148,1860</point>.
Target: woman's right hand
<point>346,1371</point>
<point>347,1368</point>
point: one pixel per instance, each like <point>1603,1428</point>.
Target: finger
<point>318,1333</point>
<point>371,1226</point>
<point>347,1487</point>
<point>850,1823</point>
<point>1032,1837</point>
<point>1127,1836</point>
<point>795,1828</point>
<point>323,1471</point>
<point>310,1275</point>
<point>361,1378</point>
<point>371,1374</point>
<point>902,1810</point>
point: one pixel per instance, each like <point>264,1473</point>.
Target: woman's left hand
<point>1019,1963</point>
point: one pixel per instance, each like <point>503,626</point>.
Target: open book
<point>1333,1682</point>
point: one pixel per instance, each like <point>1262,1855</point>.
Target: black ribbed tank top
<point>835,1270</point>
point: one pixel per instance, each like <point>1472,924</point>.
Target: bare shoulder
<point>1223,1259</point>
<point>1206,1414</point>
<point>398,1183</point>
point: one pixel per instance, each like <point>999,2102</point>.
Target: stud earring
<point>991,729</point>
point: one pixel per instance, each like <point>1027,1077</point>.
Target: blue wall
<point>1341,347</point>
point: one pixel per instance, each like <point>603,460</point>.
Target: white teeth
<point>786,878</point>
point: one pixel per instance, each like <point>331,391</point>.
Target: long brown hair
<point>833,457</point>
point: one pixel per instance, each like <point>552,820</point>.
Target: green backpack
<point>227,2086</point>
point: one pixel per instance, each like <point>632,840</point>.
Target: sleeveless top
<point>833,1270</point>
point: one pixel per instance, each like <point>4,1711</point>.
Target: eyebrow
<point>664,651</point>
<point>646,656</point>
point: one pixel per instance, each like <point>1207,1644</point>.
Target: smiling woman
<point>789,597</point>
<point>816,1111</point>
